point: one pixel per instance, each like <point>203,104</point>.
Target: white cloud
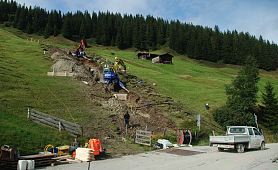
<point>257,18</point>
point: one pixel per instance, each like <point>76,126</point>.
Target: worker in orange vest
<point>95,145</point>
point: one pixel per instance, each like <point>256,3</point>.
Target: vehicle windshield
<point>237,130</point>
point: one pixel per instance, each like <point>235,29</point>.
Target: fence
<point>143,137</point>
<point>45,119</point>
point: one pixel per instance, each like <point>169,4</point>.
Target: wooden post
<point>164,132</point>
<point>28,114</point>
<point>60,127</point>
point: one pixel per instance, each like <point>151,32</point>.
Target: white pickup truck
<point>239,138</point>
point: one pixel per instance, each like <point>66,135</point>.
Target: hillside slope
<point>187,85</point>
<point>24,84</point>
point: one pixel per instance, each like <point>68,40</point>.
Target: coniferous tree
<point>17,13</point>
<point>55,30</point>
<point>136,32</point>
<point>269,113</point>
<point>67,26</point>
<point>22,18</point>
<point>47,31</point>
<point>241,97</point>
<point>242,93</point>
<point>82,31</point>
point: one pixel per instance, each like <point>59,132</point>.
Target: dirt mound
<point>63,65</point>
<point>66,63</point>
<point>59,55</point>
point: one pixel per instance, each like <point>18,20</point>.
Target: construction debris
<point>121,96</point>
<point>85,82</point>
<point>163,144</point>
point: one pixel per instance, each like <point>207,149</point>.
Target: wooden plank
<point>50,73</point>
<point>144,132</point>
<point>142,140</point>
<point>37,156</point>
<point>49,120</point>
<point>54,121</point>
<point>143,143</point>
<point>143,137</point>
<point>55,118</point>
<point>73,128</point>
<point>42,121</point>
<point>37,116</point>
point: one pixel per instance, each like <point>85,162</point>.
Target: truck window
<point>237,130</point>
<point>250,131</point>
<point>256,132</point>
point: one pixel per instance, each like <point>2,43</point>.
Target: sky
<point>258,17</point>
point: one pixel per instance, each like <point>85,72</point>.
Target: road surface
<point>199,157</point>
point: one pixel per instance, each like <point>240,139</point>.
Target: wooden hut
<point>166,58</point>
<point>146,55</point>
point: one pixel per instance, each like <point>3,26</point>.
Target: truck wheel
<point>220,149</point>
<point>262,146</point>
<point>240,148</point>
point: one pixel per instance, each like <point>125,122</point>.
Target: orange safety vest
<point>95,145</point>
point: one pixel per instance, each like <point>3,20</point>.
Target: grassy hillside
<point>23,84</point>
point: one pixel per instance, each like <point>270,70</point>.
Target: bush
<point>227,116</point>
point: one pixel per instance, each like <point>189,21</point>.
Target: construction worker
<point>126,118</point>
<point>119,63</point>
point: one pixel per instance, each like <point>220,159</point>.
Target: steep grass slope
<point>23,84</point>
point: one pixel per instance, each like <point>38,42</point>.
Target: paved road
<point>209,158</point>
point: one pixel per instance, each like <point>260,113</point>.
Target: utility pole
<point>198,121</point>
<point>256,120</point>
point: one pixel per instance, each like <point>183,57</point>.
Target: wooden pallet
<point>40,160</point>
<point>8,165</point>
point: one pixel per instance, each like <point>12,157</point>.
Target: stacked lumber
<point>84,154</point>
